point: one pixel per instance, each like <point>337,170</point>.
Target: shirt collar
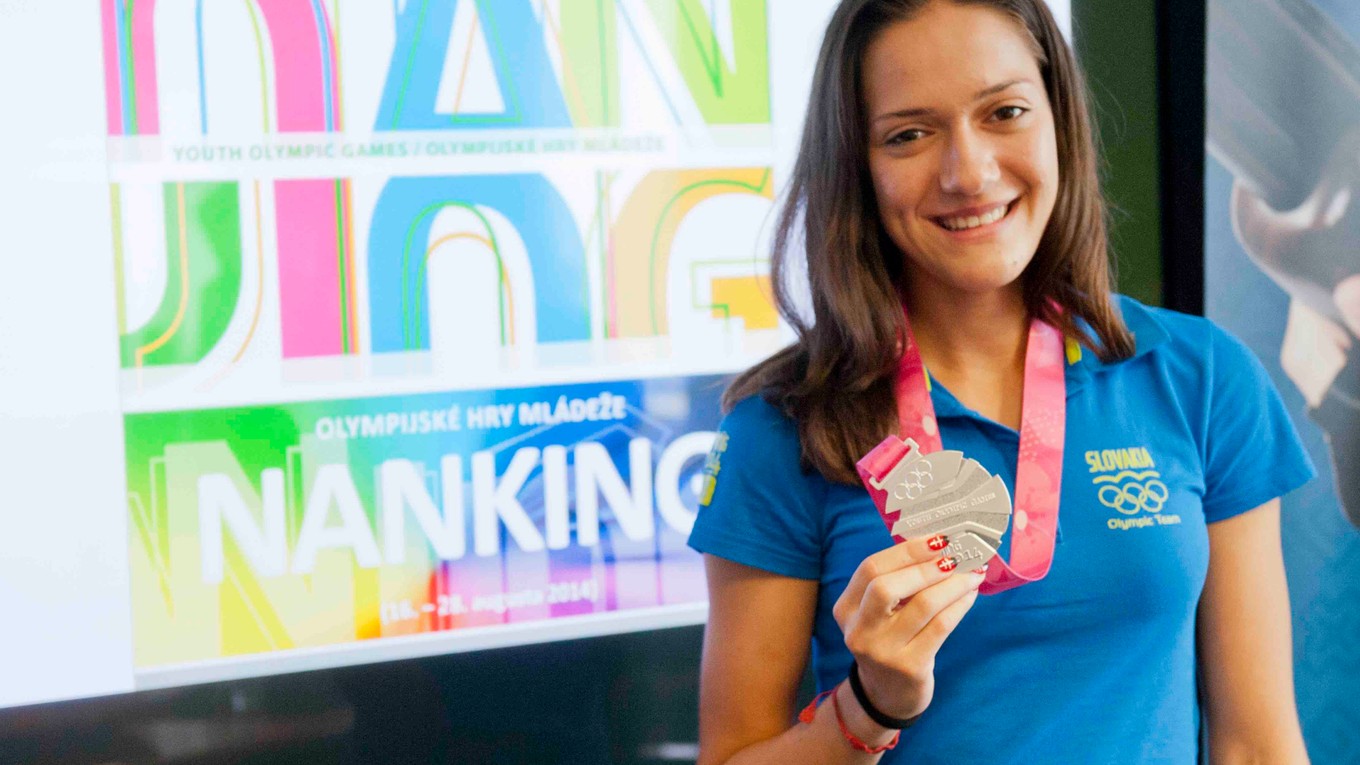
<point>1148,333</point>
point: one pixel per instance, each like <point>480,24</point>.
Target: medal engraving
<point>947,493</point>
<point>969,479</point>
<point>972,551</point>
<point>991,498</point>
<point>988,531</point>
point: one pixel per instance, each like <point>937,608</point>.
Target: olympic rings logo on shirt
<point>918,477</point>
<point>1134,496</point>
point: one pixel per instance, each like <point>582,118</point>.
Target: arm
<point>896,612</point>
<point>756,647</point>
<point>1246,651</point>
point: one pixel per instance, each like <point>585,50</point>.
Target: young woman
<point>947,199</point>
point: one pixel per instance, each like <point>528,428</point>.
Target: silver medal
<point>947,493</point>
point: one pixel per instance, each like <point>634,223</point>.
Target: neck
<point>965,333</point>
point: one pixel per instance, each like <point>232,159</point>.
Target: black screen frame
<point>1181,45</point>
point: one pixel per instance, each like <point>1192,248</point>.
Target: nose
<point>969,164</point>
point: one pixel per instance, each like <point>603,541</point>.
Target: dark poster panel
<point>1282,272</point>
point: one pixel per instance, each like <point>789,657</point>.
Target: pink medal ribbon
<point>1038,473</point>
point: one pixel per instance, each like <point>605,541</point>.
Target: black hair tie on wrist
<point>892,723</point>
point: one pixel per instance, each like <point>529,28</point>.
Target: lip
<point>980,231</point>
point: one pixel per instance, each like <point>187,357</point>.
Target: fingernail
<point>980,571</point>
<point>947,564</point>
<point>938,542</point>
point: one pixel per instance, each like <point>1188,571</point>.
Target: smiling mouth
<point>969,222</point>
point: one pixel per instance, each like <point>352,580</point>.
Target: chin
<point>979,268</point>
<point>983,286</point>
<point>981,280</point>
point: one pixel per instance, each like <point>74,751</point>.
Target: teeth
<point>973,221</point>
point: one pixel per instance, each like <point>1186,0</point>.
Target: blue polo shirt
<point>1096,662</point>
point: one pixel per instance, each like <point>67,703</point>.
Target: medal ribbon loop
<point>1038,473</point>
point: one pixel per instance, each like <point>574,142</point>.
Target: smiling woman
<point>926,116</point>
<point>946,198</point>
<point>964,160</point>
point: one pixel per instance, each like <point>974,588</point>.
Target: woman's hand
<point>896,612</point>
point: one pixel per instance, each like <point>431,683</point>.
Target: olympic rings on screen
<point>1132,498</point>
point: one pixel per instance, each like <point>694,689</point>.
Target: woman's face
<point>962,148</point>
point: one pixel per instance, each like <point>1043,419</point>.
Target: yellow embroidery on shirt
<point>1127,481</point>
<point>713,466</point>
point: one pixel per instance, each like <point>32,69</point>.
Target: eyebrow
<point>981,94</point>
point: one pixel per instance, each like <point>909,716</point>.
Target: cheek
<point>1037,162</point>
<point>1044,159</point>
<point>885,187</point>
<point>897,192</point>
<point>1052,173</point>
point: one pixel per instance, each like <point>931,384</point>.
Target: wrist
<point>858,721</point>
<point>871,710</point>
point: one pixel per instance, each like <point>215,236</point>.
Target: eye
<point>1008,113</point>
<point>906,136</point>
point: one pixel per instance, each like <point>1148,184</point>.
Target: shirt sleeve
<point>758,508</point>
<point>1252,450</point>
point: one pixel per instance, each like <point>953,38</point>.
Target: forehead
<point>946,52</point>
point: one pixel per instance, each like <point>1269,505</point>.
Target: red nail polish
<point>947,564</point>
<point>938,542</point>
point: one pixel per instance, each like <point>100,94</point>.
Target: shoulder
<point>757,429</point>
<point>758,507</point>
<point>756,412</point>
<point>1183,340</point>
<point>1155,327</point>
<point>1227,397</point>
<point>1215,377</point>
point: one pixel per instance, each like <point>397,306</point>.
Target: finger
<point>887,593</point>
<point>906,553</point>
<point>931,601</point>
<point>928,641</point>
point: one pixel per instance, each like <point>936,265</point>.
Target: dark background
<point>621,699</point>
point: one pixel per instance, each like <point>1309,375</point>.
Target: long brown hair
<point>836,380</point>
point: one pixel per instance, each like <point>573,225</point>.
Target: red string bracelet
<point>810,711</point>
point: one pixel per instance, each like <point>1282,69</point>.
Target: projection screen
<point>338,331</point>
